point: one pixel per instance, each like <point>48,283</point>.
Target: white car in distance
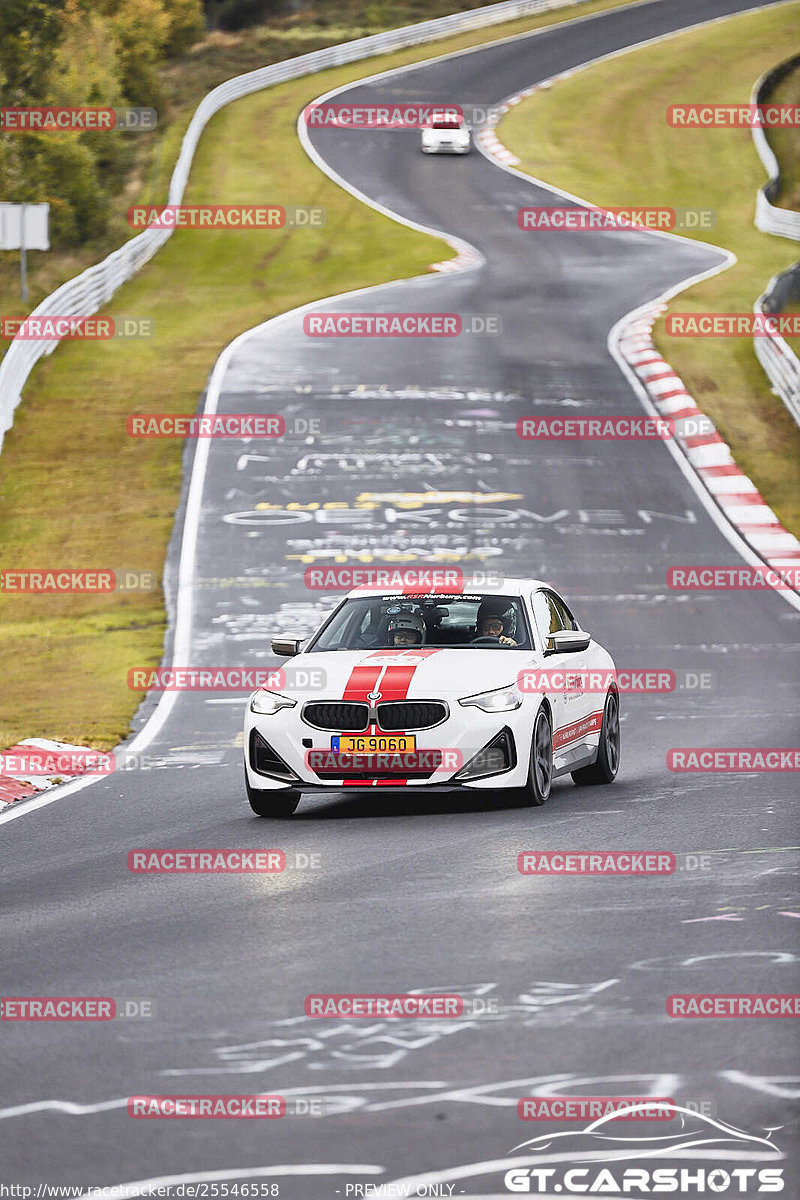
<point>446,133</point>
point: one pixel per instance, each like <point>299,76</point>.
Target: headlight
<point>501,700</point>
<point>268,703</point>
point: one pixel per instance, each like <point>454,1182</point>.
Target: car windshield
<point>386,622</point>
<point>446,123</point>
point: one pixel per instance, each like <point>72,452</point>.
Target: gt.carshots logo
<point>642,1181</point>
<point>610,1144</point>
<point>389,1005</point>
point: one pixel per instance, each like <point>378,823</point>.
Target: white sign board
<point>35,226</point>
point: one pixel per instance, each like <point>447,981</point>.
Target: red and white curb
<point>15,787</point>
<point>486,137</point>
<point>710,457</point>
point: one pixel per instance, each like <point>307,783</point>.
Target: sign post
<point>24,227</point>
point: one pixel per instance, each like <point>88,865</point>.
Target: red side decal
<point>573,733</point>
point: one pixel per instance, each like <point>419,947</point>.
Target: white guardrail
<point>94,287</point>
<point>775,355</point>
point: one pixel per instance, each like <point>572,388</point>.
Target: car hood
<point>413,674</point>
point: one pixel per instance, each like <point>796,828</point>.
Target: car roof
<point>508,587</point>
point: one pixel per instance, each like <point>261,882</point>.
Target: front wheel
<point>272,803</point>
<point>540,769</point>
<point>604,768</point>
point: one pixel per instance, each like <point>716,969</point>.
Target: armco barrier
<point>776,357</point>
<point>784,222</point>
<point>87,292</point>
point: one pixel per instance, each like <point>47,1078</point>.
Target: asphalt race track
<point>421,458</point>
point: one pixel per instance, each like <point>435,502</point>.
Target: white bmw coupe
<point>446,133</point>
<point>497,689</point>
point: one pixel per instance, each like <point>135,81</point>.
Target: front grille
<point>410,714</point>
<point>337,715</point>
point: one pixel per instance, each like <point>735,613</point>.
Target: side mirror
<point>286,647</point>
<point>568,641</point>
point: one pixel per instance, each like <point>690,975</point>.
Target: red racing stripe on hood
<point>362,681</point>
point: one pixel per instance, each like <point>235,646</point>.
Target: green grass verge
<point>602,135</point>
<point>75,490</point>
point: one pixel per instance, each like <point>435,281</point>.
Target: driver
<point>495,621</point>
<point>406,629</point>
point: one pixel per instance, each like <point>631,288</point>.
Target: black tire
<point>540,763</point>
<point>272,803</point>
<point>604,768</point>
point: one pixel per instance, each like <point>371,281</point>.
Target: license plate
<point>398,744</point>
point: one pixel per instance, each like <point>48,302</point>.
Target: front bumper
<point>446,148</point>
<point>457,740</point>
